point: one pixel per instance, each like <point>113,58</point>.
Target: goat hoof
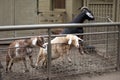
<point>36,68</point>
<point>26,70</point>
<point>33,66</point>
<point>82,53</point>
<point>70,61</point>
<point>6,71</point>
<point>44,67</point>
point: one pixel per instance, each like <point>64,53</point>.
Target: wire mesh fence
<point>101,55</point>
<point>100,46</point>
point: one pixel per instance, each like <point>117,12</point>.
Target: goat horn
<point>81,8</point>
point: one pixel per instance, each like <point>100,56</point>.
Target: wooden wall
<point>6,12</point>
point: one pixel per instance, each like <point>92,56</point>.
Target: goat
<point>19,49</point>
<point>60,47</point>
<point>85,14</point>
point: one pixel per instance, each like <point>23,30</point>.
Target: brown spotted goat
<point>19,49</point>
<point>60,47</point>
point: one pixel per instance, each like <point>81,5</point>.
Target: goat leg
<point>7,62</point>
<point>39,58</point>
<point>69,59</point>
<point>81,51</point>
<point>10,64</point>
<point>24,61</point>
<point>31,62</point>
<point>44,63</point>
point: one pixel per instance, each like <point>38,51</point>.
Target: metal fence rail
<point>112,38</point>
<point>49,26</point>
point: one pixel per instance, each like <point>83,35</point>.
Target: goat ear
<point>70,41</point>
<point>81,39</point>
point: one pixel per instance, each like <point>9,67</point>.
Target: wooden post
<point>0,71</point>
<point>115,2</point>
<point>118,52</point>
<point>0,76</point>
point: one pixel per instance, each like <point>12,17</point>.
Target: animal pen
<point>102,53</point>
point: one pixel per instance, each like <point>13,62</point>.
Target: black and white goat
<point>85,14</point>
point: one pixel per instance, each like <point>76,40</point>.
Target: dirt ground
<point>105,76</point>
<point>83,67</point>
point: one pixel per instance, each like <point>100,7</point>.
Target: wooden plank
<point>101,3</point>
<point>52,17</point>
<point>6,12</point>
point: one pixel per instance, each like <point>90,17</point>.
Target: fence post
<point>49,55</point>
<point>118,53</point>
<point>0,71</point>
